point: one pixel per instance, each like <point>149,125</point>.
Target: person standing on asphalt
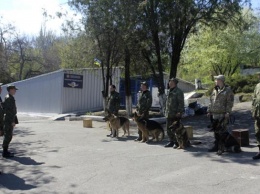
<point>173,110</point>
<point>220,106</point>
<point>144,104</point>
<point>10,119</point>
<point>113,104</point>
<point>256,115</point>
<point>1,113</point>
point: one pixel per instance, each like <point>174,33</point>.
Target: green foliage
<point>245,84</point>
<point>212,51</point>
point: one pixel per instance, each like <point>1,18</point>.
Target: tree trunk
<point>160,79</point>
<point>128,97</point>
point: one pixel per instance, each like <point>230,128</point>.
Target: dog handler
<point>10,119</point>
<point>220,106</point>
<point>173,110</point>
<point>113,104</point>
<point>144,104</point>
<point>256,115</point>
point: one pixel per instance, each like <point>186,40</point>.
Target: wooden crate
<point>189,130</point>
<point>242,136</point>
<point>87,123</point>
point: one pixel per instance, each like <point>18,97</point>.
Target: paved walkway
<point>63,157</point>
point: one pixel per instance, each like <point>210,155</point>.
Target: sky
<point>27,15</point>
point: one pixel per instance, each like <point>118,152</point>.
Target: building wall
<point>46,94</point>
<point>89,98</point>
<point>249,71</point>
<point>39,94</point>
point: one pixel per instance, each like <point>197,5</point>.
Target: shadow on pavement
<point>13,182</point>
<point>26,160</point>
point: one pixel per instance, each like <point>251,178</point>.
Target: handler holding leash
<point>173,110</point>
<point>221,103</point>
<point>1,114</point>
<point>144,104</point>
<point>256,115</point>
<point>113,104</point>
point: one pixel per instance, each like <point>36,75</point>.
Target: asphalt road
<point>63,157</point>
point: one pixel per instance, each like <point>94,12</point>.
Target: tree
<point>185,16</point>
<point>221,51</point>
<point>98,19</point>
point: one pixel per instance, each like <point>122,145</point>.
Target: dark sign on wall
<point>73,80</point>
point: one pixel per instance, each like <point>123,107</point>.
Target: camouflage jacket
<point>174,102</point>
<point>10,109</point>
<point>256,102</point>
<point>113,102</point>
<point>1,113</point>
<point>221,100</point>
<point>145,102</point>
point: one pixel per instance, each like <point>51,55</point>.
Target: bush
<point>239,84</point>
<point>247,89</point>
<point>242,83</point>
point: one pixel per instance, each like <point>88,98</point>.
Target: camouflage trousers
<point>257,130</point>
<point>224,125</point>
<point>1,123</point>
<point>170,134</point>
<point>8,135</point>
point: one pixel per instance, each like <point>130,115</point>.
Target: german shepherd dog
<point>181,134</point>
<point>149,127</point>
<point>117,122</point>
<point>226,142</point>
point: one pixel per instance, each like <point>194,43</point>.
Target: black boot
<point>176,145</point>
<point>257,156</point>
<point>170,144</point>
<point>7,154</point>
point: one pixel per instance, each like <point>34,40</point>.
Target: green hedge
<point>240,84</point>
<point>244,84</point>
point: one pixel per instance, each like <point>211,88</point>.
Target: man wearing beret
<point>173,110</point>
<point>256,116</point>
<point>144,104</point>
<point>220,106</point>
<point>10,119</point>
<point>113,104</point>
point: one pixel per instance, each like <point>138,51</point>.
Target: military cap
<point>174,79</point>
<point>9,87</point>
<point>145,83</point>
<point>220,77</point>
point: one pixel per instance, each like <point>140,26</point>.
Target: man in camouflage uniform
<point>1,113</point>
<point>221,103</point>
<point>113,103</point>
<point>256,115</point>
<point>173,110</point>
<point>144,104</point>
<point>1,116</point>
<point>10,119</point>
